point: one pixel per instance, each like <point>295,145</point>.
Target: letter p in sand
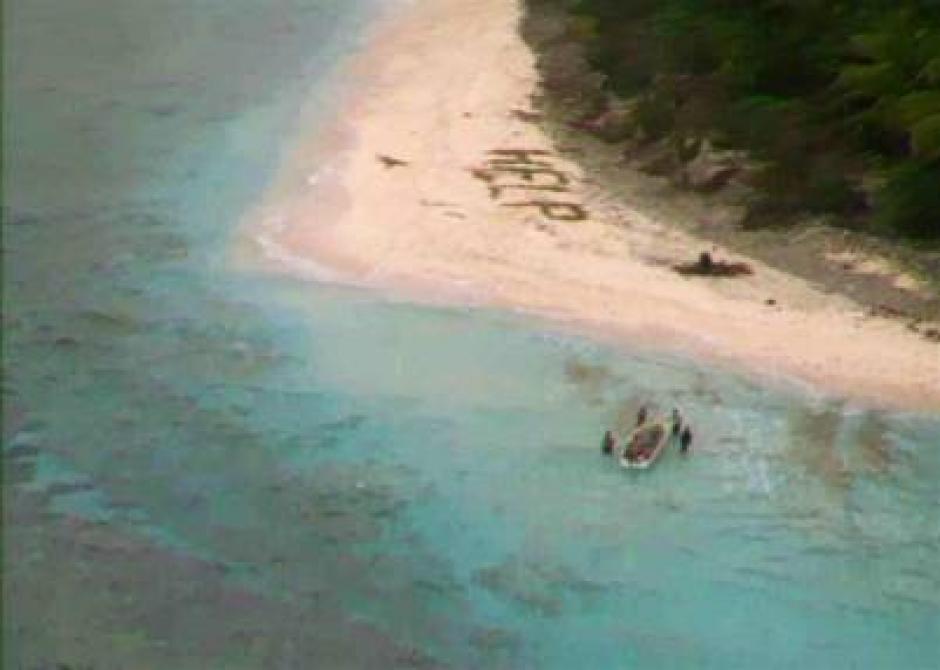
<point>559,211</point>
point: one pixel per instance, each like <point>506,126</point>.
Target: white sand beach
<point>435,183</point>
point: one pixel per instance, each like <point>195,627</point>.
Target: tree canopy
<point>832,94</point>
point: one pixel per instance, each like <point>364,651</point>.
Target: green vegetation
<point>839,100</point>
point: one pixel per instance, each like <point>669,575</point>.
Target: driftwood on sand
<point>708,267</point>
<point>525,115</point>
<point>390,161</point>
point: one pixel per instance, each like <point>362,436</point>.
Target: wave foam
<point>295,265</point>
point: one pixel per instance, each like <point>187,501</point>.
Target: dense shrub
<point>909,203</point>
<point>796,82</point>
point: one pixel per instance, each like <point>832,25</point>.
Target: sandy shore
<point>436,182</point>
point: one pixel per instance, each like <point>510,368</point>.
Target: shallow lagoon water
<point>433,471</point>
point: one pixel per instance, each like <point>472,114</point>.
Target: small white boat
<point>646,443</point>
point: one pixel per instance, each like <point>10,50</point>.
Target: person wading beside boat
<point>649,439</point>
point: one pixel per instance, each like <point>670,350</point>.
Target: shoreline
<point>435,184</point>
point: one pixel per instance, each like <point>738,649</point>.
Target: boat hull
<point>656,435</point>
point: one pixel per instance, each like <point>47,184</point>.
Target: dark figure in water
<point>641,416</point>
<point>685,440</point>
<point>676,422</point>
<point>607,445</point>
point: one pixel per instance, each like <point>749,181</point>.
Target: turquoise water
<point>432,471</point>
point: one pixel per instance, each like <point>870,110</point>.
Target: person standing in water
<point>676,421</point>
<point>641,416</point>
<point>685,440</point>
<point>607,444</point>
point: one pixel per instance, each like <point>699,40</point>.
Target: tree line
<point>839,101</point>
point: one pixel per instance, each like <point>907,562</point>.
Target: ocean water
<point>433,472</point>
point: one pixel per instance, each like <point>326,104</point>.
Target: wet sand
<point>435,183</point>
